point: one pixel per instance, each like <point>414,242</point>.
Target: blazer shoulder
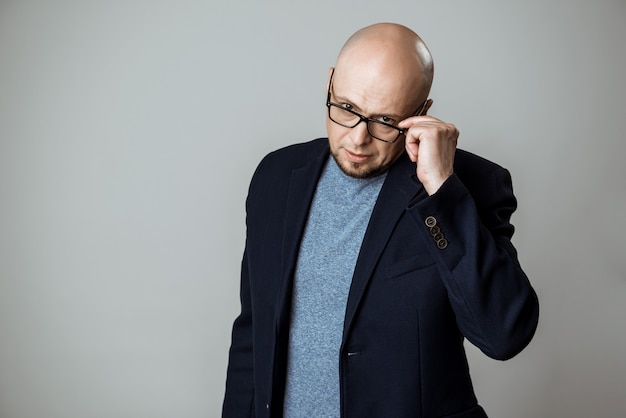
<point>284,160</point>
<point>467,163</point>
<point>484,179</point>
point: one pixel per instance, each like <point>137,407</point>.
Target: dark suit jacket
<point>411,302</point>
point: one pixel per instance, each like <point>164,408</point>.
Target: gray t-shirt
<point>339,215</point>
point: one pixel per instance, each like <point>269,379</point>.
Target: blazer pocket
<point>408,265</point>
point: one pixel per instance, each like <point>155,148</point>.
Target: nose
<point>359,135</point>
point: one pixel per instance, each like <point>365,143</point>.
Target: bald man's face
<point>373,94</point>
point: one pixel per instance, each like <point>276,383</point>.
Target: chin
<point>358,170</point>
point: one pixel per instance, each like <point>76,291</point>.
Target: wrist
<point>434,184</point>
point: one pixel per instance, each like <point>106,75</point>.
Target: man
<point>372,254</point>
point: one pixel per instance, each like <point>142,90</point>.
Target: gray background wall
<point>129,132</point>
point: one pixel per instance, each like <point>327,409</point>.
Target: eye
<point>386,119</point>
<point>346,106</point>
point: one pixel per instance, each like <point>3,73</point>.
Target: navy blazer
<point>432,270</point>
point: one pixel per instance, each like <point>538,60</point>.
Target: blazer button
<point>435,230</point>
<point>431,221</point>
<point>442,243</point>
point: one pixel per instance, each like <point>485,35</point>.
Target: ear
<point>429,103</point>
<point>330,73</point>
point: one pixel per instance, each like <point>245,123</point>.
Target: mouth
<point>356,158</point>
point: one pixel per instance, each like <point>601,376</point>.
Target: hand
<point>434,141</point>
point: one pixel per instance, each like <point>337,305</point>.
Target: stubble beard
<point>358,170</point>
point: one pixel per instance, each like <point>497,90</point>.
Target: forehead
<point>373,91</point>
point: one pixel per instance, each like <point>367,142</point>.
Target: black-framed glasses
<point>348,118</point>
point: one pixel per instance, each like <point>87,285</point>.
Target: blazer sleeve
<point>239,397</point>
<point>469,234</point>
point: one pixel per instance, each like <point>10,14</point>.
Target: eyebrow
<point>342,99</point>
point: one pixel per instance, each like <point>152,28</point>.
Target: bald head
<point>383,73</point>
<point>388,52</point>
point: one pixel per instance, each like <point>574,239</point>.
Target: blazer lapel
<point>401,187</point>
<point>302,186</point>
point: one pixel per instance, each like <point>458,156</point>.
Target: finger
<point>414,120</point>
<point>408,122</point>
<point>412,148</point>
